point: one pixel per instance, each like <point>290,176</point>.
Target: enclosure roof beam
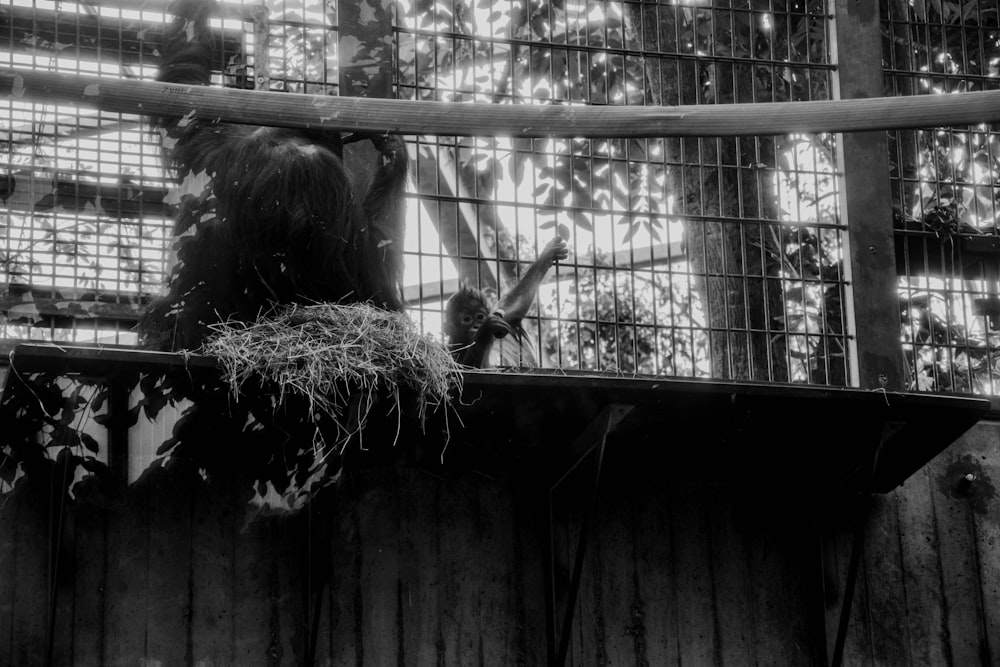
<point>444,118</point>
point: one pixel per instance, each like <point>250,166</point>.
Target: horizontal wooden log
<point>353,114</point>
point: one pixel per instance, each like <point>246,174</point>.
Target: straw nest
<point>340,358</point>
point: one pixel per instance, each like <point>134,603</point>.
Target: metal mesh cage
<point>710,257</point>
<point>945,195</point>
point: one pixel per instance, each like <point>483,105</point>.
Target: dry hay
<point>331,354</point>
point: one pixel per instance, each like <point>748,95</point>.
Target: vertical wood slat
<point>61,571</point>
<point>30,581</point>
<point>126,578</point>
<point>734,586</point>
<point>527,552</point>
<point>213,571</point>
<point>780,536</point>
<point>867,205</point>
<point>459,621</point>
<point>282,546</point>
<point>8,576</point>
<point>981,445</point>
<point>89,576</point>
<point>419,580</point>
<point>170,542</point>
<point>251,574</point>
<point>922,579</point>
<point>840,540</point>
<point>495,530</point>
<point>657,566</point>
<point>959,576</point>
<point>697,626</point>
<point>883,578</point>
<point>377,519</point>
<point>610,633</point>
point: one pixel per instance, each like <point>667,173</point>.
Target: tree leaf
<point>8,468</point>
<point>540,190</point>
<point>153,403</point>
<point>132,416</point>
<point>99,397</point>
<point>63,436</point>
<point>581,220</point>
<point>67,460</point>
<point>88,442</point>
<point>94,466</point>
<point>167,445</point>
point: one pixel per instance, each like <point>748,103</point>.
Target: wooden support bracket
<point>889,429</point>
<point>590,444</point>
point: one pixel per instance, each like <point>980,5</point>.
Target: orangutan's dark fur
<point>280,223</point>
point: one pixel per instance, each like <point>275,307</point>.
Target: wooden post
<point>873,310</point>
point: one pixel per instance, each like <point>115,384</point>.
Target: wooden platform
<point>769,436</point>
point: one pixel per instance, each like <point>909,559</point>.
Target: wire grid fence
<point>705,257</point>
<point>946,191</point>
<point>712,257</point>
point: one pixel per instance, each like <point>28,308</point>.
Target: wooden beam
<point>873,300</point>
<point>33,192</point>
<point>444,118</point>
<point>28,304</point>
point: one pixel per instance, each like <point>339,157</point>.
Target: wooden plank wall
<point>929,585</point>
<point>694,573</point>
<point>700,574</point>
<point>419,569</point>
<point>422,571</point>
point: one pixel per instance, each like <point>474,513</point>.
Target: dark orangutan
<point>270,215</point>
<point>472,325</point>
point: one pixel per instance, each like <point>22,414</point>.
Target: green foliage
<point>615,321</point>
<point>45,434</point>
<point>271,444</point>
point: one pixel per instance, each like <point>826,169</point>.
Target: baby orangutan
<point>472,324</point>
